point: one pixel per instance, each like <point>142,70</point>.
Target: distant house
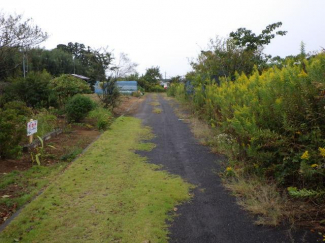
<point>125,87</point>
<point>84,78</point>
<point>164,83</point>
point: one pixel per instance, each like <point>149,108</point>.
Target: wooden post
<point>31,136</point>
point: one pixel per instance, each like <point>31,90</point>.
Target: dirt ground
<point>76,135</point>
<point>128,105</point>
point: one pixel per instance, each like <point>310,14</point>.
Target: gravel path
<point>212,215</point>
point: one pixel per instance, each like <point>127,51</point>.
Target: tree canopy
<point>16,35</point>
<point>249,40</point>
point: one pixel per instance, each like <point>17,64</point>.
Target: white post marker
<point>31,129</point>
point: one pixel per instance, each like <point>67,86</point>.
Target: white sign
<point>31,127</point>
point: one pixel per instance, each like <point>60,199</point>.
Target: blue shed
<point>125,87</point>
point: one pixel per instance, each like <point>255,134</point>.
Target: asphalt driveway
<point>212,215</point>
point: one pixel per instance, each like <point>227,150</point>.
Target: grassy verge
<point>109,194</point>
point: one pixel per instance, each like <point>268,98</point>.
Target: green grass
<point>109,194</point>
<point>32,180</point>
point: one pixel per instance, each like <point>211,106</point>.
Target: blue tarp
<point>125,87</point>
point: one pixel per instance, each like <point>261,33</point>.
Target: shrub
<point>34,90</point>
<point>156,88</point>
<point>78,107</point>
<point>111,93</point>
<point>13,119</point>
<point>103,118</point>
<point>67,86</point>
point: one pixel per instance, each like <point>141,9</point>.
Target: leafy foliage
<point>34,90</point>
<point>275,117</point>
<point>223,59</point>
<point>111,94</point>
<point>250,41</point>
<point>13,118</point>
<point>67,86</point>
<point>16,34</point>
<point>78,107</point>
<point>55,61</point>
<point>92,63</point>
<point>103,117</point>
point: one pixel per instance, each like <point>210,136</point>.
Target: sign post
<point>31,129</point>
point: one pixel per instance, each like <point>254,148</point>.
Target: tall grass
<point>102,117</point>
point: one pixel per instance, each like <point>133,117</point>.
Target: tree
<point>16,37</point>
<point>55,61</point>
<point>251,42</point>
<point>153,75</point>
<point>124,67</point>
<point>150,79</point>
<point>223,59</point>
<point>91,63</point>
<point>176,79</point>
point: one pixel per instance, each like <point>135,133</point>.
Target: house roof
<point>80,76</point>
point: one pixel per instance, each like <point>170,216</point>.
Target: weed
<point>259,198</point>
<point>103,118</point>
<point>157,110</point>
<point>40,152</point>
<point>46,122</point>
<point>155,103</point>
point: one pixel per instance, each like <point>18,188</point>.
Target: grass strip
<point>109,194</point>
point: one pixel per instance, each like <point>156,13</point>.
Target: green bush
<point>156,88</point>
<point>13,120</point>
<point>34,90</point>
<point>103,117</point>
<point>67,86</point>
<point>78,107</point>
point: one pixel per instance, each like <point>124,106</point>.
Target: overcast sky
<point>167,33</point>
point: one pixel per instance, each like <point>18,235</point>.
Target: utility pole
<point>24,71</point>
<point>74,65</point>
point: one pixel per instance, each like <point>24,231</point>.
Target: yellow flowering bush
<point>322,151</point>
<point>277,115</point>
<point>305,155</point>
